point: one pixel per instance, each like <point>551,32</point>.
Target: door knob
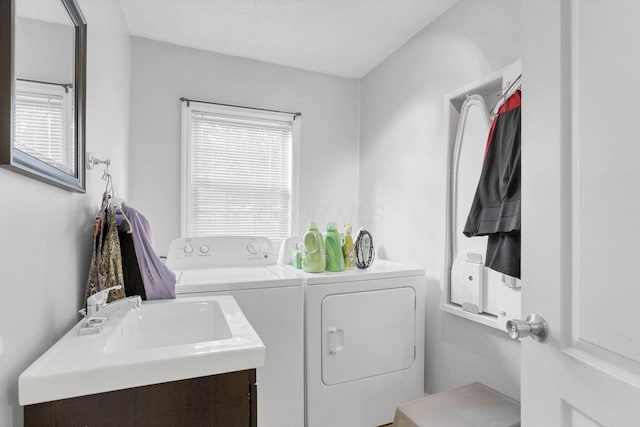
<point>534,326</point>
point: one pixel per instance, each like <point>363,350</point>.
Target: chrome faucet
<point>112,308</point>
<point>97,302</point>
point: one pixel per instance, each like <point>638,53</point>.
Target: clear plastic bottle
<point>347,249</point>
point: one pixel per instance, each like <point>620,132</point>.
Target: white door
<point>581,211</point>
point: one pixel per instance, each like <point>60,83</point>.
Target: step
<point>472,405</point>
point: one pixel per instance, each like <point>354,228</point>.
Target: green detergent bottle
<point>313,256</point>
<point>333,247</point>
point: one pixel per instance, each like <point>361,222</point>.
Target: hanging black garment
<point>133,284</point>
<point>503,253</point>
<point>496,209</point>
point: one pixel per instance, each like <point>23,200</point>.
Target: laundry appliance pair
<point>342,349</point>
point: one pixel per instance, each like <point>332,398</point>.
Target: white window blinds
<point>42,124</point>
<point>238,172</point>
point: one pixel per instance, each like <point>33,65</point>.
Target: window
<point>44,124</point>
<point>237,171</point>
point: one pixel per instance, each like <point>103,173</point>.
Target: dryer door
<point>367,333</point>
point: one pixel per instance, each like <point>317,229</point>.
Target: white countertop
<point>164,341</point>
<point>380,269</point>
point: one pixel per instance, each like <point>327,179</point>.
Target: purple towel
<point>159,282</point>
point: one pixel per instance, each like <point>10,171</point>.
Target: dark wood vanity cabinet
<point>224,400</point>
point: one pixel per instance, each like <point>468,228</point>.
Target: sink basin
<point>177,324</point>
<point>161,341</point>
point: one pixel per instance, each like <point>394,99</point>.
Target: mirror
<point>42,97</point>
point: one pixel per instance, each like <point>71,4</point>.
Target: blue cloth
<point>159,282</point>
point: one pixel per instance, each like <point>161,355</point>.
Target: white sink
<point>162,341</point>
<point>157,328</point>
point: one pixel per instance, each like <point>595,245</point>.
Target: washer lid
<point>380,269</point>
<point>234,278</point>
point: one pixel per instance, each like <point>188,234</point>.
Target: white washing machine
<point>271,298</point>
<point>364,343</point>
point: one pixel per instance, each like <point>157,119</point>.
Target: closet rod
<point>187,100</point>
<point>504,94</point>
<point>66,86</point>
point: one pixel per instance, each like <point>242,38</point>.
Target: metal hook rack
<point>110,193</point>
<point>92,161</point>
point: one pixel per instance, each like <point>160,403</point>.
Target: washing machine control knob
<point>204,249</point>
<point>188,250</point>
<point>252,248</point>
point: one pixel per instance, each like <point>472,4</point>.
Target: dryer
<point>271,298</point>
<point>364,332</point>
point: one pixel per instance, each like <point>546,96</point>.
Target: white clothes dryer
<point>271,298</point>
<point>364,343</point>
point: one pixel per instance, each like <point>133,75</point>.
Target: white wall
<point>402,187</point>
<point>46,238</point>
<point>162,73</point>
<point>44,50</point>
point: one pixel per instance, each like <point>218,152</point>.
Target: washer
<point>364,343</point>
<point>269,295</point>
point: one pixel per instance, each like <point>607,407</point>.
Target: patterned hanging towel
<point>105,269</point>
<point>112,258</point>
<point>97,275</point>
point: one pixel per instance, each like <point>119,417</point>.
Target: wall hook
<point>92,161</point>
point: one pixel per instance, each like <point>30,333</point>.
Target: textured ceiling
<point>342,37</point>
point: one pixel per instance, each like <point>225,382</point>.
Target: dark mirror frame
<point>14,159</point>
